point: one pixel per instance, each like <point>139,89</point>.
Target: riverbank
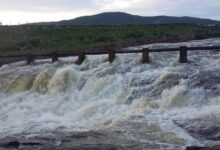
<point>90,140</point>
<point>40,39</point>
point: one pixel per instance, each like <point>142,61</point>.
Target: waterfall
<point>98,95</point>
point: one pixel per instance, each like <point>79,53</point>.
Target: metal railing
<point>111,54</point>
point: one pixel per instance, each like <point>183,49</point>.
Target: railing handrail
<point>54,55</point>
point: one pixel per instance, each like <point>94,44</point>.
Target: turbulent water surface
<point>161,105</point>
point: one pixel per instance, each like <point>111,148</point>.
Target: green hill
<point>119,18</point>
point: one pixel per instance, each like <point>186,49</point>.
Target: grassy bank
<point>25,39</point>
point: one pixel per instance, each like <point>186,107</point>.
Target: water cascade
<point>154,105</point>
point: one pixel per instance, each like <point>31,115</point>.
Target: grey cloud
<point>45,5</point>
<point>201,8</point>
<point>196,8</point>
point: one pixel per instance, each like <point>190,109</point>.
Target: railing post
<point>111,56</point>
<point>183,54</point>
<point>81,58</point>
<point>145,56</point>
<point>29,59</point>
<point>54,57</point>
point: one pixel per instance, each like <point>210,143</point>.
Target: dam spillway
<point>161,105</point>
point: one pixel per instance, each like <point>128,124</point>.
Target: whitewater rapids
<point>155,105</point>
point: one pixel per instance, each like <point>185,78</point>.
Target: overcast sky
<point>23,11</point>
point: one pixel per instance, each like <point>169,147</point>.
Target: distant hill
<point>119,18</point>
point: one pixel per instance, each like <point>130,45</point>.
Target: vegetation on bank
<point>43,38</point>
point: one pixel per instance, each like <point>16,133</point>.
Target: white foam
<point>96,94</point>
